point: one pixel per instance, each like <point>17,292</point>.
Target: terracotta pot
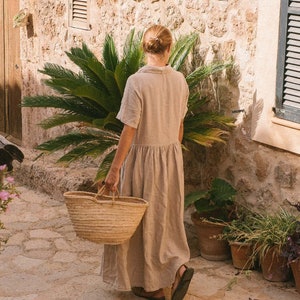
<point>210,247</point>
<point>295,265</point>
<point>274,266</point>
<point>241,254</point>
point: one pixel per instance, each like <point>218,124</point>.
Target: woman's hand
<point>112,180</point>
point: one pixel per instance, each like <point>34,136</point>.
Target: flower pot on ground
<point>214,208</point>
<point>295,266</point>
<point>292,250</point>
<point>236,233</point>
<point>275,266</point>
<point>210,246</point>
<point>269,237</point>
<point>242,255</point>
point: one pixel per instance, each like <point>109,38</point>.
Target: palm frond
<point>102,74</point>
<point>63,141</point>
<point>133,54</point>
<point>132,43</point>
<point>61,119</point>
<point>76,105</point>
<point>62,79</point>
<point>91,149</point>
<point>93,93</point>
<point>58,71</point>
<point>206,137</point>
<point>109,54</point>
<point>115,94</point>
<point>203,72</point>
<point>105,164</point>
<point>204,119</point>
<point>102,138</point>
<point>87,72</point>
<point>132,60</point>
<point>109,123</point>
<point>84,52</point>
<point>80,56</point>
<point>181,50</point>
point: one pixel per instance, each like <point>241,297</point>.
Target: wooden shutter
<point>79,16</point>
<point>288,64</point>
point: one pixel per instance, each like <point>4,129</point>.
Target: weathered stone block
<point>262,166</point>
<point>285,175</point>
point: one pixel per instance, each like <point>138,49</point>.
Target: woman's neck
<point>156,60</point>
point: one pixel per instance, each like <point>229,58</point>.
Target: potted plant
<point>270,236</point>
<point>237,233</point>
<point>214,208</point>
<point>292,251</point>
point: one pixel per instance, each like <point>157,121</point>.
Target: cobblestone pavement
<point>44,260</point>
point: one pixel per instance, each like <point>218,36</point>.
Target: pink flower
<point>4,195</point>
<point>2,167</point>
<point>10,179</point>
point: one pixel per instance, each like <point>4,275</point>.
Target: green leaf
<point>181,50</point>
<point>60,119</point>
<point>202,72</point>
<point>222,192</point>
<point>105,165</point>
<point>193,197</point>
<point>109,122</point>
<point>207,138</point>
<point>110,55</point>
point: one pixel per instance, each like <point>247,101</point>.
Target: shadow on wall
<point>202,164</point>
<point>33,133</point>
<point>29,27</point>
<point>257,109</point>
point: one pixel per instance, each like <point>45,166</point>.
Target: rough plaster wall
<point>264,176</point>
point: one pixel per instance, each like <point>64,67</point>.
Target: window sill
<point>285,123</point>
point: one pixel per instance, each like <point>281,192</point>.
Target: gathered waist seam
<point>156,145</point>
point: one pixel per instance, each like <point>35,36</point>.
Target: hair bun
<point>153,45</point>
<point>157,39</point>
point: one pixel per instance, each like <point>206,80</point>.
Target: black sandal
<point>140,292</point>
<point>183,284</point>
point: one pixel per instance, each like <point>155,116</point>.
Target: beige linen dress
<point>154,102</point>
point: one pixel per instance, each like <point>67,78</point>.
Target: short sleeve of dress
<point>130,110</point>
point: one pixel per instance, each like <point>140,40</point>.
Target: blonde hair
<point>157,39</point>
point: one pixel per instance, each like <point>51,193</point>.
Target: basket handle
<point>101,192</point>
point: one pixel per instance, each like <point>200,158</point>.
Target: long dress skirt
<point>159,246</point>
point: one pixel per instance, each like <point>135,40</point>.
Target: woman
<point>149,156</point>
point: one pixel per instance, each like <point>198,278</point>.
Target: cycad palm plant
<point>92,98</point>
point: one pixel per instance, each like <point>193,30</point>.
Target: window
<point>271,79</point>
<point>79,14</point>
<point>288,62</point>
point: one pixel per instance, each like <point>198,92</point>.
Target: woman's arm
<point>113,176</point>
<point>180,137</point>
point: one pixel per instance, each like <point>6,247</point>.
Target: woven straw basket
<point>104,219</point>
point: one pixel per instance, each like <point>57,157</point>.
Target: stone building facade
<point>262,157</point>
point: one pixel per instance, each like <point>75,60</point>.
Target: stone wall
<point>264,176</point>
